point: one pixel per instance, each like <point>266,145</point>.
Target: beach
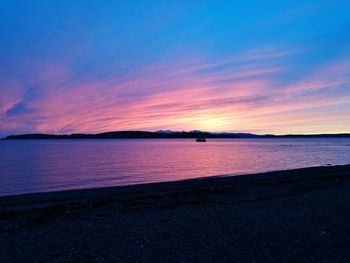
<point>300,215</point>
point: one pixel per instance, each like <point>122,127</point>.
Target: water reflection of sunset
<point>123,162</point>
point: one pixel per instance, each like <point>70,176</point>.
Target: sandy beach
<point>298,215</point>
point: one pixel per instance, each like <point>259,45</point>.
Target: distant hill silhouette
<point>166,135</point>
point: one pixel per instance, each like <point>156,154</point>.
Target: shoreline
<point>201,183</point>
<point>300,215</point>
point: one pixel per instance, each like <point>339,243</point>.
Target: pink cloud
<point>182,94</point>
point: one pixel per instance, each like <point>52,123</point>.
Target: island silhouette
<point>167,135</point>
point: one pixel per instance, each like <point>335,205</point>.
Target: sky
<point>240,66</point>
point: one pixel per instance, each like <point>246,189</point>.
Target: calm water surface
<point>47,165</point>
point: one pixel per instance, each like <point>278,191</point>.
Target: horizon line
<point>177,131</point>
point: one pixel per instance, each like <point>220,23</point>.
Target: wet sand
<point>298,215</point>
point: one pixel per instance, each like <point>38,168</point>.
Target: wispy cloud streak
<point>241,93</point>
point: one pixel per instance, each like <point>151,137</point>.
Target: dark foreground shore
<point>288,216</point>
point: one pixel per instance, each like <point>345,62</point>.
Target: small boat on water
<point>201,140</point>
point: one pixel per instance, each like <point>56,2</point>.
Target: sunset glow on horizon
<point>90,66</point>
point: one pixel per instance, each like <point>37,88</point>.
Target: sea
<point>29,166</point>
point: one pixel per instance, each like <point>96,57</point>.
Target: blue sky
<point>252,66</point>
